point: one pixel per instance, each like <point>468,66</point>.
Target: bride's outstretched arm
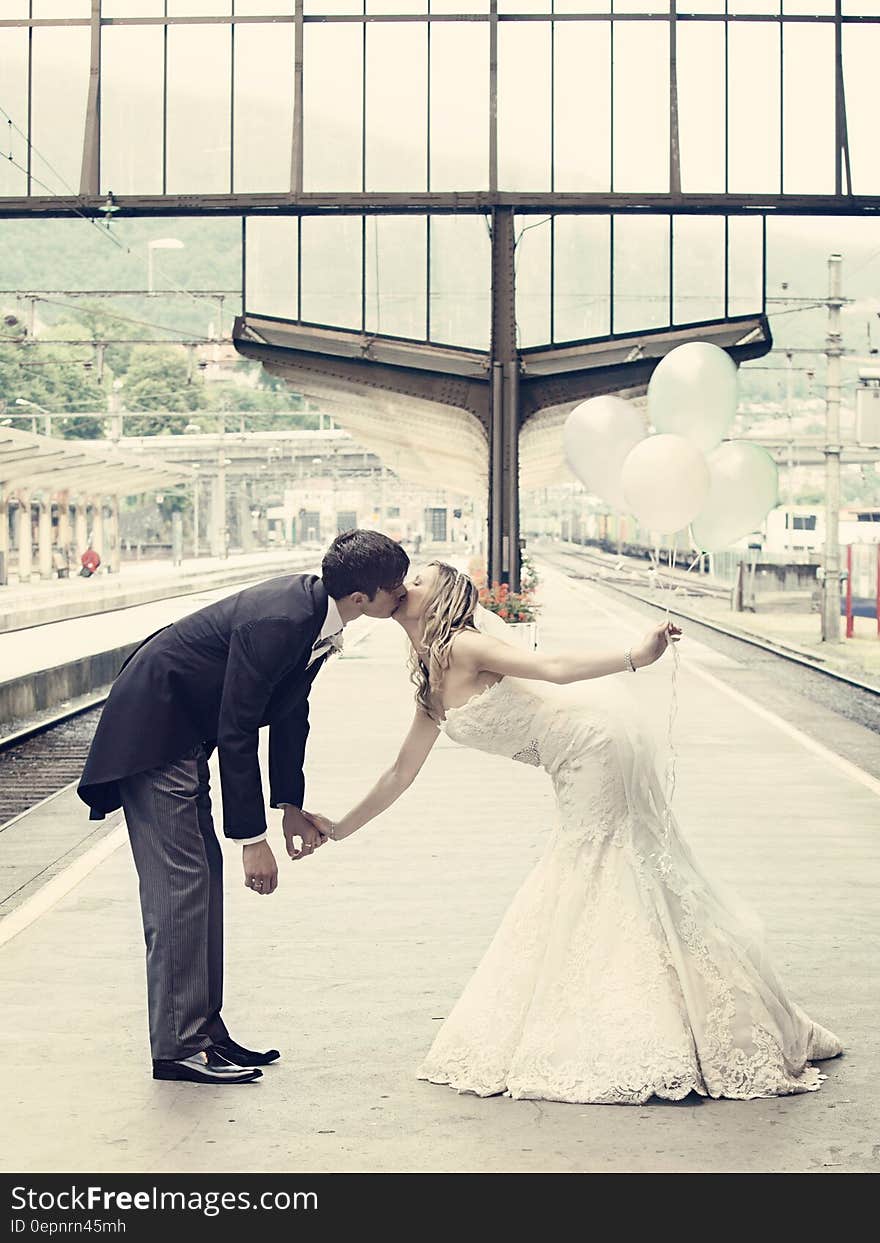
<point>399,777</point>
<point>482,652</point>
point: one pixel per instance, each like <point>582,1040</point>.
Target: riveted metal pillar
<point>504,558</point>
<point>88,178</point>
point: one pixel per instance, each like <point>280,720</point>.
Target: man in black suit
<point>213,679</point>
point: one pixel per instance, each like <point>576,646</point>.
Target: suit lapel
<point>319,600</point>
<point>322,604</point>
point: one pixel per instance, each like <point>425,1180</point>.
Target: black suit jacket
<point>215,677</point>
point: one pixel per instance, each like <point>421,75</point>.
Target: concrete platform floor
<point>363,949</point>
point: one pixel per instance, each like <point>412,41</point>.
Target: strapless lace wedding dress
<point>619,972</point>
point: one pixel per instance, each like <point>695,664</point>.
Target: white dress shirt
<point>331,630</point>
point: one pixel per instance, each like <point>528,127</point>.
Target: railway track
<point>572,562</point>
<point>44,757</point>
<point>792,673</point>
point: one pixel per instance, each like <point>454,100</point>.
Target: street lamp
<point>159,243</point>
<point>47,423</point>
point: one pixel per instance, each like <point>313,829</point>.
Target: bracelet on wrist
<point>628,660</point>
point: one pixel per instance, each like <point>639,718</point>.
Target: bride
<point>619,972</point>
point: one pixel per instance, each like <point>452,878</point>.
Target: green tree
<point>60,378</point>
<point>158,380</point>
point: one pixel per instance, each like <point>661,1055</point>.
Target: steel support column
<point>504,559</point>
<point>89,183</point>
<point>833,350</point>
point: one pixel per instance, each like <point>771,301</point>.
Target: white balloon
<point>693,393</point>
<point>597,436</point>
<point>744,487</point>
<point>665,482</point>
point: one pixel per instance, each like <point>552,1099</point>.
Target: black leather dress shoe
<point>245,1057</point>
<point>208,1066</point>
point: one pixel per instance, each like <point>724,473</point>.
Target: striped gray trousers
<point>180,871</point>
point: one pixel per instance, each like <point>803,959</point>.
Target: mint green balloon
<point>693,393</point>
<point>743,488</point>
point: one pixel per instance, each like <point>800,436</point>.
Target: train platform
<point>44,665</point>
<point>23,605</point>
<point>349,967</point>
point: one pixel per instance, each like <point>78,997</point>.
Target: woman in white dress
<point>619,972</point>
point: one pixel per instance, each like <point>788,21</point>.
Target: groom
<point>213,679</point>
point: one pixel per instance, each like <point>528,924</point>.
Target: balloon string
<point>671,756</point>
<point>665,859</point>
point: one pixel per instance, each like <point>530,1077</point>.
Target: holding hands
<point>310,827</point>
<point>260,867</point>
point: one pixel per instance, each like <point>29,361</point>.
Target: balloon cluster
<point>682,474</point>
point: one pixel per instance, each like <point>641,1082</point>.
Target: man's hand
<point>295,824</point>
<point>260,868</point>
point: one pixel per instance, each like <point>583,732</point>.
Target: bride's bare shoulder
<point>466,645</point>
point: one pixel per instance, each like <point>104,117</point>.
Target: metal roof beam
<point>442,203</point>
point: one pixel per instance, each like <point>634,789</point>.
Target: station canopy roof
<point>30,463</point>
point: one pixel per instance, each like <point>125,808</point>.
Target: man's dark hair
<point>363,561</point>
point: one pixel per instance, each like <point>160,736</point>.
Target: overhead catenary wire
<point>106,230</point>
<point>128,319</point>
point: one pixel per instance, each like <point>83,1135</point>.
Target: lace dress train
<point>619,972</point>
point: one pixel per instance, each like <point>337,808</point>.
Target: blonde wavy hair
<point>449,609</point>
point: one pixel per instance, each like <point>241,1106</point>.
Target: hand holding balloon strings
<point>687,473</point>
